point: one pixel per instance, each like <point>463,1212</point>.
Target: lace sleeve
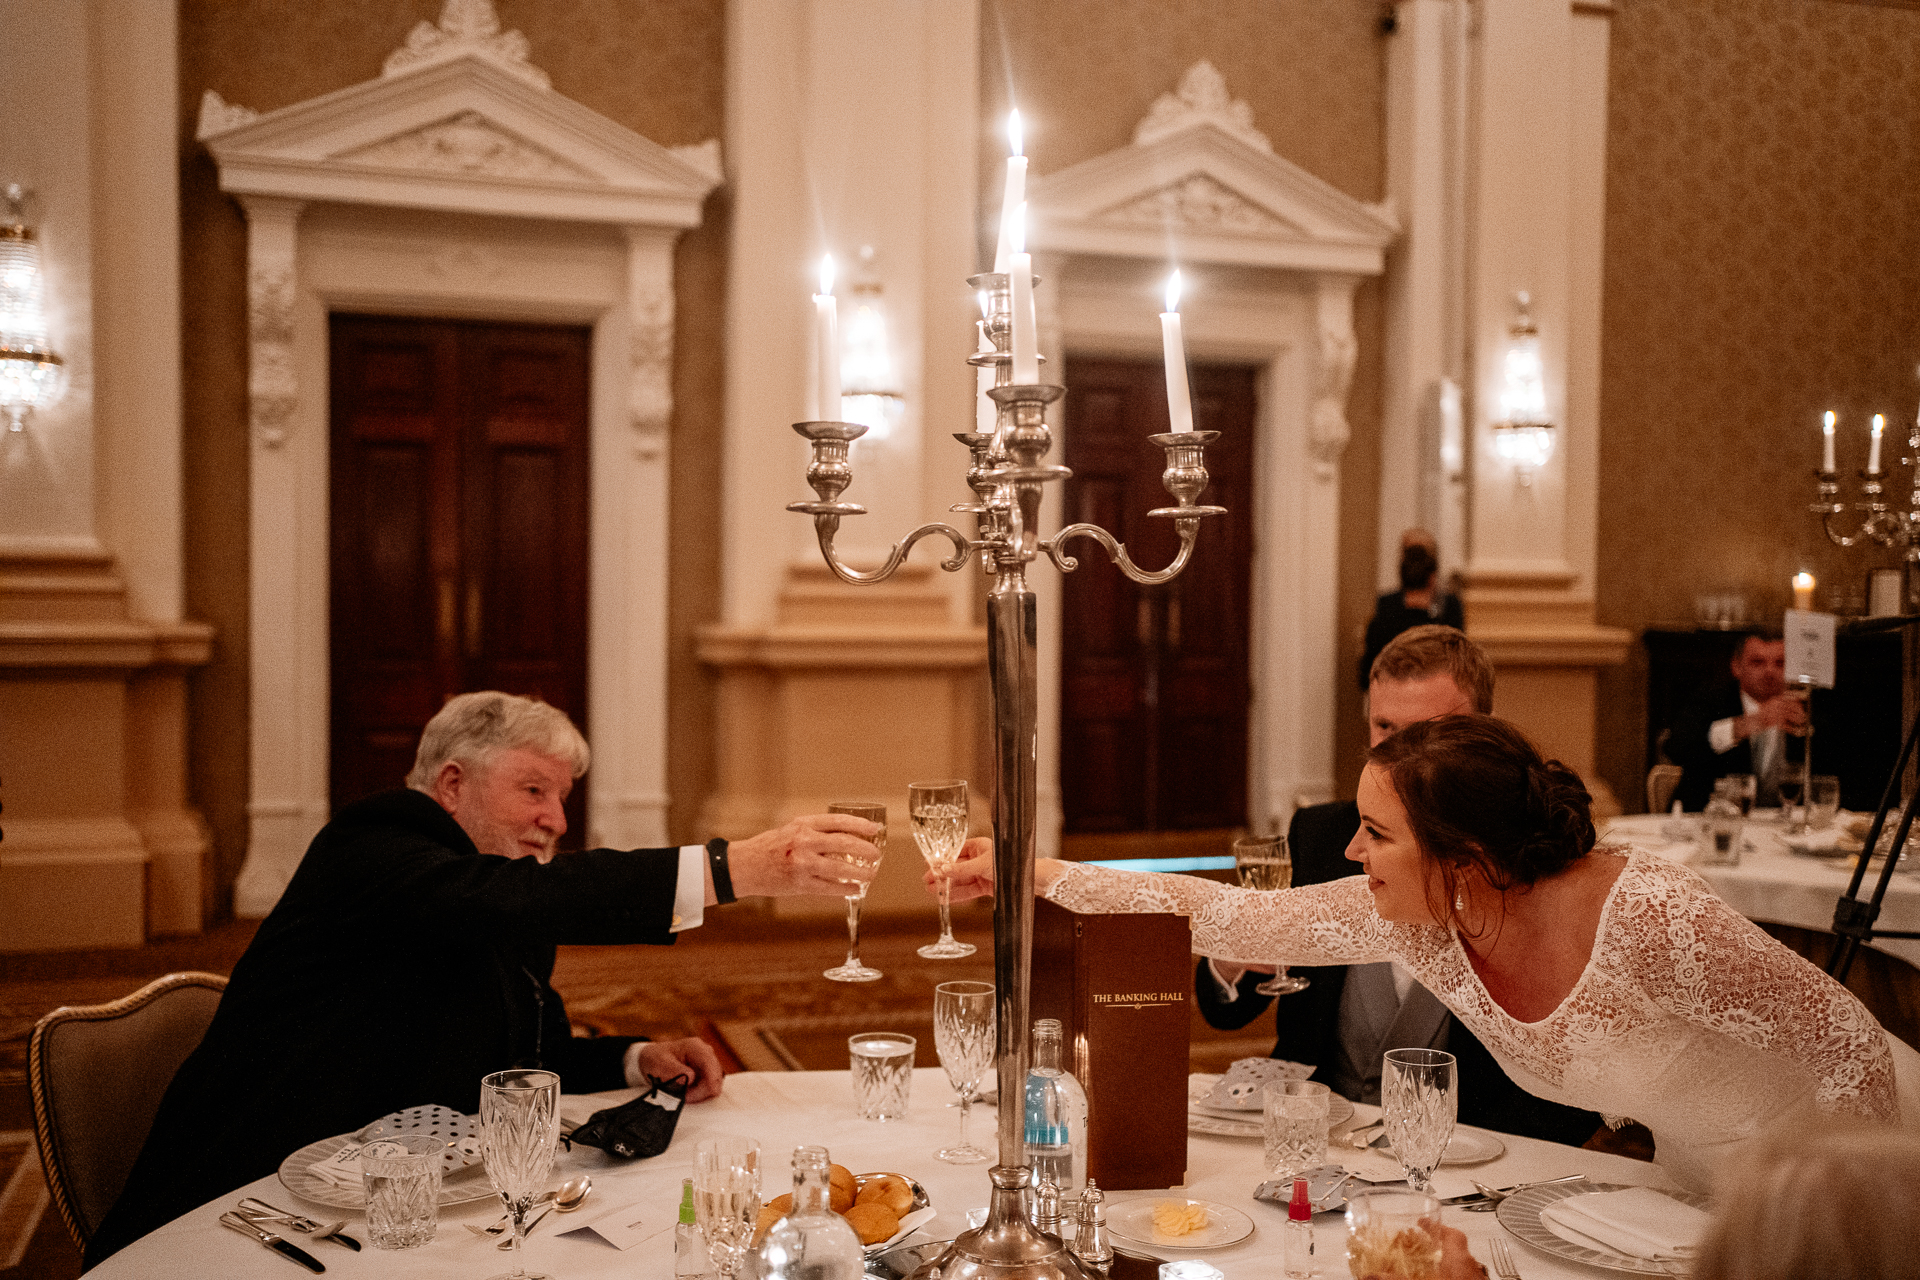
<point>1332,923</point>
<point>1701,960</point>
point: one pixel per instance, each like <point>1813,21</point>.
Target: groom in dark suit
<point>411,954</point>
<point>1752,725</point>
<point>1351,1015</point>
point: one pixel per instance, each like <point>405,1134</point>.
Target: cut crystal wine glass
<point>1419,1099</point>
<point>519,1124</point>
<point>963,1033</point>
<point>853,970</point>
<point>939,814</point>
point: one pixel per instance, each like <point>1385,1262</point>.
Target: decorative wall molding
<point>1293,249</point>
<point>1202,98</point>
<point>459,123</point>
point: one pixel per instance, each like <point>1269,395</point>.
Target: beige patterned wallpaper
<point>1314,72</point>
<point>655,68</point>
<point>1762,265</point>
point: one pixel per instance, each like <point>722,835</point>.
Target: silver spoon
<point>1494,1195</point>
<point>574,1189</point>
<point>570,1196</point>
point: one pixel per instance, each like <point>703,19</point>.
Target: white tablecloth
<point>783,1110</point>
<point>1775,885</point>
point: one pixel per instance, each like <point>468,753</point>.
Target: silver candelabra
<point>1007,476</point>
<point>1882,526</point>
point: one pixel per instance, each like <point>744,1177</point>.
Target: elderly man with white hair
<point>411,955</point>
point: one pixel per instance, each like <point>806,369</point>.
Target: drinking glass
<point>939,814</point>
<point>1741,788</point>
<point>726,1198</point>
<point>853,970</point>
<point>1387,1235</point>
<point>401,1175</point>
<point>882,1063</point>
<point>1823,801</point>
<point>519,1124</point>
<point>1295,1115</point>
<point>1419,1098</point>
<point>1722,829</point>
<point>1792,789</point>
<point>1264,862</point>
<point>963,1033</point>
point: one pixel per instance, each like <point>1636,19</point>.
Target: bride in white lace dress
<point>1600,977</point>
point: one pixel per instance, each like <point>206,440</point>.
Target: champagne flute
<point>853,970</point>
<point>519,1124</point>
<point>939,814</point>
<point>1264,862</point>
<point>1419,1099</point>
<point>726,1198</point>
<point>963,1032</point>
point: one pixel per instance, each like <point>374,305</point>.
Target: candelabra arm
<point>824,527</point>
<point>1117,551</point>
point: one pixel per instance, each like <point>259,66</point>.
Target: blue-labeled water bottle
<point>1056,1114</point>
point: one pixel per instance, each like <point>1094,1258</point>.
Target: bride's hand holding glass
<point>971,874</point>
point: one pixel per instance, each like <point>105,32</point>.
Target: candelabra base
<point>1007,1246</point>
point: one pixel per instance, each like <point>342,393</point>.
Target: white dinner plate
<point>1472,1146</point>
<point>465,1187</point>
<point>1133,1220</point>
<point>1218,1122</point>
<point>1520,1214</point>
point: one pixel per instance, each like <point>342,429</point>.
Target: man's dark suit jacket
<point>400,966</point>
<point>1699,763</point>
<point>1308,1021</point>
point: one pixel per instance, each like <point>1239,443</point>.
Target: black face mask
<point>637,1129</point>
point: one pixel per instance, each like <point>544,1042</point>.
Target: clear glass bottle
<point>1056,1114</point>
<point>1299,1233</point>
<point>689,1242</point>
<point>813,1242</point>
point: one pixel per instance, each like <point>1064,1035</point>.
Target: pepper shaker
<point>1090,1245</point>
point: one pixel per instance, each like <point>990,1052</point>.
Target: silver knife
<point>272,1241</point>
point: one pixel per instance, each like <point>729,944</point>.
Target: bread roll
<point>842,1187</point>
<point>888,1189</point>
<point>873,1222</point>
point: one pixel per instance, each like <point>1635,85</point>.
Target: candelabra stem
<point>1012,670</point>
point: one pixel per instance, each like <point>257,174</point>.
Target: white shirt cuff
<point>1229,992</point>
<point>1720,736</point>
<point>689,901</point>
<point>636,1078</point>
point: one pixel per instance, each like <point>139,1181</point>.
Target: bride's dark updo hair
<point>1478,794</point>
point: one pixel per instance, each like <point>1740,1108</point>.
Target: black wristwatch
<point>722,876</point>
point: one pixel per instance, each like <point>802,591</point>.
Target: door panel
<point>459,530</point>
<point>1154,684</point>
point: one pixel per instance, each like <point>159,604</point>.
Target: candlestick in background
<point>1013,196</point>
<point>826,325</point>
<point>1826,442</point>
<point>1026,337</point>
<point>1873,451</point>
<point>1803,590</point>
<point>1173,348</point>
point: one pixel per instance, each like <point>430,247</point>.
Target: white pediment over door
<point>1272,256</point>
<point>463,134</point>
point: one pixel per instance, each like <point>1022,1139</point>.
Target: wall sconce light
<point>1523,434</point>
<point>868,391</point>
<point>31,375</point>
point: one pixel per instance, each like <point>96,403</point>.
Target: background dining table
<point>1775,885</point>
<point>785,1109</point>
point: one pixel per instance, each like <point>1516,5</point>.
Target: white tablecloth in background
<point>783,1110</point>
<point>1777,886</point>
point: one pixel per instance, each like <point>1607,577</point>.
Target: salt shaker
<point>1090,1245</point>
<point>1046,1208</point>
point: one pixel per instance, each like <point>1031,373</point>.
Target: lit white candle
<point>1873,453</point>
<point>1803,591</point>
<point>1826,443</point>
<point>1173,347</point>
<point>826,324</point>
<point>1013,196</point>
<point>1026,337</point>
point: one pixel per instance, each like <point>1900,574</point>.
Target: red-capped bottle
<point>1299,1233</point>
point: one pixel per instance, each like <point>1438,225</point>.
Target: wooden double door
<point>459,539</point>
<point>1154,683</point>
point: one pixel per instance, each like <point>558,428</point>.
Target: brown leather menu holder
<point>1120,985</point>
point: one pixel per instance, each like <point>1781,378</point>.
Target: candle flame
<point>1017,238</point>
<point>1879,423</point>
<point>1016,137</point>
<point>1803,581</point>
<point>1173,291</point>
<point>986,306</point>
<point>826,273</point>
<point>1829,421</point>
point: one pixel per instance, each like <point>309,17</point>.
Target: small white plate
<point>1133,1221</point>
<point>1472,1146</point>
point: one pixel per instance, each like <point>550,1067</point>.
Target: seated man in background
<point>1352,1014</point>
<point>1744,726</point>
<point>411,954</point>
<point>1417,603</point>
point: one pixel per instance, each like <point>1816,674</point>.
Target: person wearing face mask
<point>1350,1015</point>
<point>1600,977</point>
<point>411,955</point>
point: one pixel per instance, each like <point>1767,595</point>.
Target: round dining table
<point>639,1200</point>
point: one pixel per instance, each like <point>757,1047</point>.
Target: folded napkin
<point>1242,1087</point>
<point>460,1132</point>
<point>1638,1222</point>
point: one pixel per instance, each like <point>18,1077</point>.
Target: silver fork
<point>1503,1259</point>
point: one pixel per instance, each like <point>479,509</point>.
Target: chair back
<point>1662,780</point>
<point>97,1073</point>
